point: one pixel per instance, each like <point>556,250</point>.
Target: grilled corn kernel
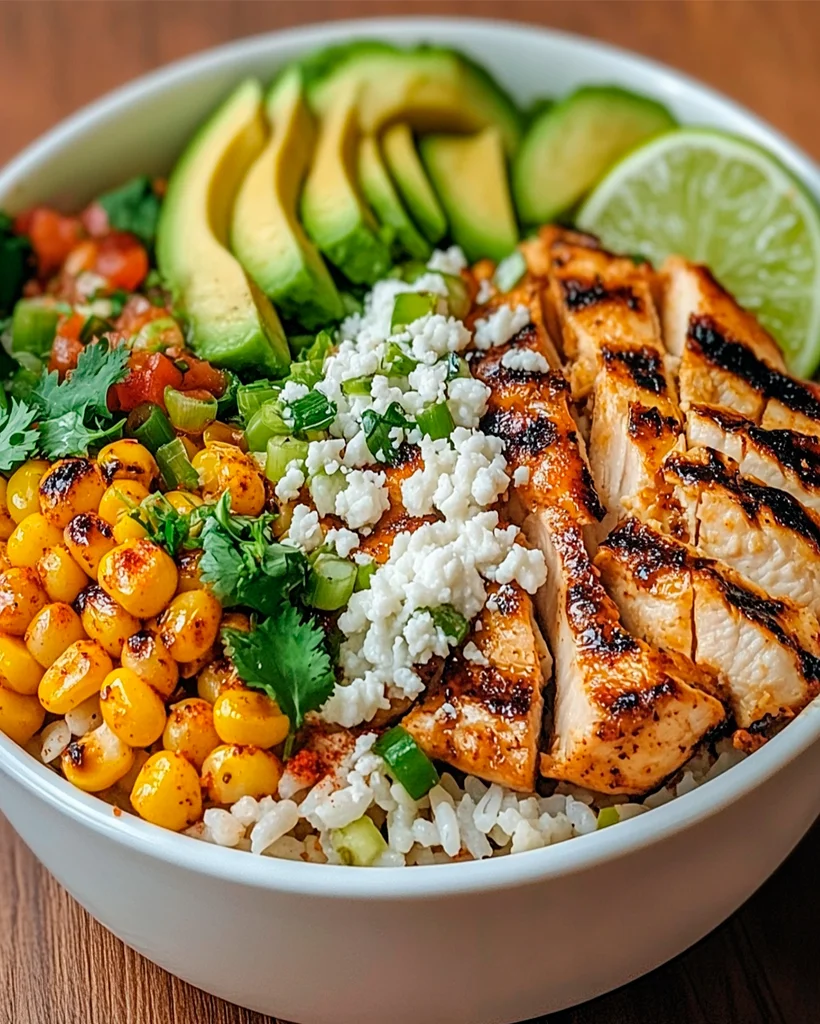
<point>231,772</point>
<point>22,495</point>
<point>88,537</point>
<point>6,522</point>
<point>128,460</point>
<point>249,718</point>
<point>75,676</point>
<point>224,433</point>
<point>215,678</point>
<point>236,620</point>
<point>167,791</point>
<point>188,567</point>
<point>19,669</point>
<point>182,501</point>
<point>31,539</point>
<point>21,716</point>
<point>131,709</point>
<point>106,621</point>
<point>70,487</point>
<point>21,597</point>
<point>190,624</point>
<point>4,558</point>
<point>52,631</point>
<point>127,528</point>
<point>224,467</point>
<point>190,730</point>
<point>119,500</point>
<point>97,760</point>
<point>61,576</point>
<point>140,576</point>
<point>147,656</point>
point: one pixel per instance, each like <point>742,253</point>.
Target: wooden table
<point>59,967</point>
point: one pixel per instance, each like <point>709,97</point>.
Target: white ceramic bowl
<point>475,943</point>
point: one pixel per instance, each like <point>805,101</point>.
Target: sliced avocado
<point>571,144</point>
<point>380,192</point>
<point>231,322</point>
<point>266,235</point>
<point>333,213</point>
<point>432,88</point>
<point>469,173</point>
<point>412,182</point>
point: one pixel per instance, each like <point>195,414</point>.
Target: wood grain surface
<point>59,967</point>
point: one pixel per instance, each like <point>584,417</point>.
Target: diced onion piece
<point>436,421</point>
<point>176,467</point>
<point>281,452</point>
<point>360,843</point>
<point>331,583</point>
<point>150,426</point>
<point>189,413</point>
<point>407,761</point>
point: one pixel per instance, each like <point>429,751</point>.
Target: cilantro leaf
<point>166,526</point>
<point>314,411</point>
<point>17,441</point>
<point>377,428</point>
<point>133,207</point>
<point>15,262</point>
<point>70,435</point>
<point>287,658</point>
<point>86,388</point>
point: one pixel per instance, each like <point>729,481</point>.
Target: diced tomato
<point>137,312</point>
<point>67,345</point>
<point>150,374</point>
<point>52,235</point>
<point>121,260</point>
<point>201,376</point>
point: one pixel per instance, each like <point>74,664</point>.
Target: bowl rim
<point>431,881</point>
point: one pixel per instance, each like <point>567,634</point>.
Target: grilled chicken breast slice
<point>784,459</point>
<point>764,651</point>
<point>485,716</point>
<point>762,532</point>
<point>626,716</point>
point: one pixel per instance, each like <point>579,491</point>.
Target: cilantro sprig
<point>168,527</point>
<point>285,656</point>
<point>133,207</point>
<point>378,428</point>
<point>18,440</point>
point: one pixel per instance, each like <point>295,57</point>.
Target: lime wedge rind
<point>721,200</point>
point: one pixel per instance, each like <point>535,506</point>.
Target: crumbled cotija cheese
<point>525,359</point>
<point>501,325</point>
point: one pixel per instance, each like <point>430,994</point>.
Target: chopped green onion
<point>249,397</point>
<point>360,843</point>
<point>314,411</point>
<point>377,430</point>
<point>510,271</point>
<point>188,413</point>
<point>331,583</point>
<point>226,404</point>
<point>33,327</point>
<point>458,296</point>
<point>150,426</point>
<point>396,362</point>
<point>24,381</point>
<point>308,371</point>
<point>94,327</point>
<point>176,467</point>
<point>436,421</point>
<point>410,271</point>
<point>299,343</point>
<point>457,366</point>
<point>154,336</point>
<point>451,622</point>
<point>281,452</point>
<point>410,306</point>
<point>407,761</point>
<point>364,574</point>
<point>357,385</point>
<point>265,423</point>
<point>608,816</point>
<point>322,344</point>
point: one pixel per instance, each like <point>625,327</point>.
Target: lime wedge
<point>721,200</point>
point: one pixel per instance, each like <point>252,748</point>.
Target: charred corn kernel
<point>31,539</point>
<point>190,730</point>
<point>97,760</point>
<point>22,495</point>
<point>127,528</point>
<point>183,502</point>
<point>88,537</point>
<point>128,460</point>
<point>21,597</point>
<point>21,716</point>
<point>52,631</point>
<point>249,718</point>
<point>190,624</point>
<point>224,467</point>
<point>6,522</point>
<point>104,620</point>
<point>19,669</point>
<point>147,656</point>
<point>140,576</point>
<point>70,487</point>
<point>119,500</point>
<point>75,676</point>
<point>224,433</point>
<point>131,709</point>
<point>167,791</point>
<point>236,620</point>
<point>188,567</point>
<point>60,574</point>
<point>4,558</point>
<point>231,772</point>
<point>215,678</point>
